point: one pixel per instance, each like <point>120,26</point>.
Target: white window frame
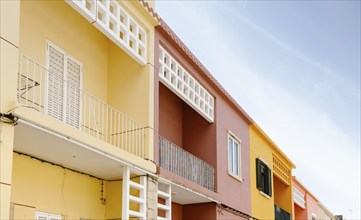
<point>67,56</point>
<point>313,216</point>
<point>231,172</point>
<point>48,216</point>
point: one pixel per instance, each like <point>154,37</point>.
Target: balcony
<point>38,89</point>
<point>185,164</point>
<point>113,20</point>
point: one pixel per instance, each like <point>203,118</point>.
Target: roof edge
<point>150,10</point>
<point>203,69</point>
<point>274,145</point>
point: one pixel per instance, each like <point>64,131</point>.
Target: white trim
<point>165,194</point>
<point>313,215</point>
<point>125,193</point>
<point>235,139</point>
<point>46,215</point>
<point>264,194</point>
<point>81,144</point>
<point>113,20</point>
<point>299,197</point>
<point>260,158</point>
<point>176,78</point>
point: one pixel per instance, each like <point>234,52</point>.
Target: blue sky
<point>294,66</point>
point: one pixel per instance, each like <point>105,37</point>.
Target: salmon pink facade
<point>202,132</point>
<point>305,204</point>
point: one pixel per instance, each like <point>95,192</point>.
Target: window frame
<point>230,169</point>
<point>48,216</point>
<point>313,216</point>
<point>266,189</point>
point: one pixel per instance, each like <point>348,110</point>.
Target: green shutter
<point>269,182</point>
<point>258,173</point>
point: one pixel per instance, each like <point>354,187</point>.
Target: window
<point>281,214</point>
<point>264,175</point>
<point>64,83</point>
<point>313,216</point>
<point>46,216</point>
<point>234,156</point>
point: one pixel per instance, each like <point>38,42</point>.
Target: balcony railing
<point>77,108</point>
<point>185,164</point>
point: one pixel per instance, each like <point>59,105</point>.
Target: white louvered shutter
<point>73,101</point>
<point>64,86</point>
<point>55,101</point>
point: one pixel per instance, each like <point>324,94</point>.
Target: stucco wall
<point>170,116</point>
<point>38,186</point>
<point>262,207</point>
<point>203,211</point>
<point>57,22</point>
<point>212,138</point>
<point>235,193</point>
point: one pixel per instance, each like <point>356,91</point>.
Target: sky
<point>294,66</point>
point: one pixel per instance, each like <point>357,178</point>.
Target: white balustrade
<point>113,21</point>
<point>97,117</point>
<point>177,79</point>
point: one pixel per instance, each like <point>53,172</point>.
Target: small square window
<point>264,177</point>
<point>234,156</point>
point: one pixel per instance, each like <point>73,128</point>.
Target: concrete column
<point>152,197</point>
<point>9,49</point>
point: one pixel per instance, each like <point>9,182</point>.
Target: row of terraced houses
<point>106,114</point>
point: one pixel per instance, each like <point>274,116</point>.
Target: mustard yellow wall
<point>283,195</point>
<point>109,73</point>
<point>41,186</point>
<point>262,207</point>
<point>52,189</point>
<point>58,22</point>
<point>128,85</point>
<point>114,199</point>
<point>148,22</point>
<point>9,42</point>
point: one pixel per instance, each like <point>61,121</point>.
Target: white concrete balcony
<point>185,164</point>
<point>175,77</point>
<point>51,95</point>
<point>119,26</point>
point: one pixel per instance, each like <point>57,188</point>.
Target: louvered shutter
<point>64,86</point>
<point>73,101</point>
<point>55,97</point>
<point>269,179</point>
<point>258,173</point>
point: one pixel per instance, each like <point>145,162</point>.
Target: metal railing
<point>185,164</point>
<point>77,108</point>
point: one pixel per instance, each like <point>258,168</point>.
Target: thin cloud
<point>323,68</point>
<point>326,157</point>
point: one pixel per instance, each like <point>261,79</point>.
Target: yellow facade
<point>263,206</point>
<point>109,74</point>
<point>9,43</point>
<point>41,186</point>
